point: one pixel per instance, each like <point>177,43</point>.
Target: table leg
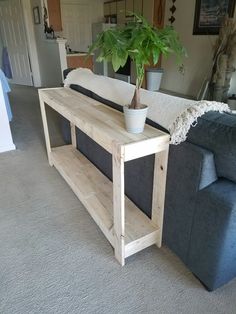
<point>159,186</point>
<point>45,128</point>
<point>118,204</point>
<point>73,135</point>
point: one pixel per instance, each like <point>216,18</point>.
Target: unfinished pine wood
<point>45,128</point>
<point>100,122</point>
<point>95,191</point>
<point>127,228</point>
<point>118,202</point>
<point>73,135</point>
<point>144,148</point>
<point>141,243</point>
<point>159,187</point>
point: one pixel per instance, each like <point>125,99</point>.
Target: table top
<point>100,122</point>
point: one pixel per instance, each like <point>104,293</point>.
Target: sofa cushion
<point>212,251</point>
<point>82,90</point>
<point>217,132</point>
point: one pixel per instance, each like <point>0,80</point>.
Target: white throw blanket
<point>173,113</point>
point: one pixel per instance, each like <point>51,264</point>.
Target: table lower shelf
<point>95,191</point>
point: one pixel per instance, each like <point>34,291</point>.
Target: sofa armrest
<point>217,133</point>
<point>190,169</point>
<point>212,249</point>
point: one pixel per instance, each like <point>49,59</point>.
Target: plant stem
<point>135,104</point>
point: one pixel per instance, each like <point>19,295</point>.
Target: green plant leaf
<point>139,41</point>
<point>155,54</point>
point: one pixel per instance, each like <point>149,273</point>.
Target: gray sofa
<point>200,206</point>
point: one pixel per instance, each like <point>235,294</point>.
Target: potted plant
<point>142,43</point>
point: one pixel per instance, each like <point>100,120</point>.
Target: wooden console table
<point>125,226</point>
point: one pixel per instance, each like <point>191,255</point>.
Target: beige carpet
<point>54,259</point>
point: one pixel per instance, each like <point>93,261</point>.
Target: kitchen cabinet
<point>148,8</point>
<point>121,12</point>
<point>129,7</point>
<point>138,6</point>
<point>152,10</point>
<point>113,8</point>
<point>106,8</point>
<point>54,14</point>
<point>159,13</point>
<point>109,8</point>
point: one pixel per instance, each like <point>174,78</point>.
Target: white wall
<point>199,48</point>
<point>48,53</point>
<point>32,47</point>
<point>1,47</point>
<point>96,8</point>
<point>77,19</point>
<point>47,50</point>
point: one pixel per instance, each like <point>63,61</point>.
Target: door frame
<point>31,42</point>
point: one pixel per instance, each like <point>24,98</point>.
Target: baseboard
<point>7,148</point>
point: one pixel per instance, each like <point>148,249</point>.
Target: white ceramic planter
<point>154,76</point>
<point>135,119</point>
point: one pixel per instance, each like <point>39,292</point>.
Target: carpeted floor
<point>54,259</point>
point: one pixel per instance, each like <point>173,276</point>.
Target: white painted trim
<point>6,142</point>
<point>32,48</point>
<point>62,53</point>
<point>4,149</point>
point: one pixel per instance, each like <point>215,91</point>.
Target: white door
<point>76,24</point>
<point>12,31</point>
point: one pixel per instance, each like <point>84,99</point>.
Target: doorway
<point>13,35</point>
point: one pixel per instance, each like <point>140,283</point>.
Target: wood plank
<point>85,182</point>
<point>159,187</point>
<point>100,122</point>
<point>144,148</point>
<point>95,191</point>
<point>119,202</point>
<point>141,243</point>
<point>73,135</point>
<point>45,128</point>
<point>95,113</point>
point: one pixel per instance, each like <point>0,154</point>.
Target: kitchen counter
<point>79,59</point>
<point>75,54</point>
